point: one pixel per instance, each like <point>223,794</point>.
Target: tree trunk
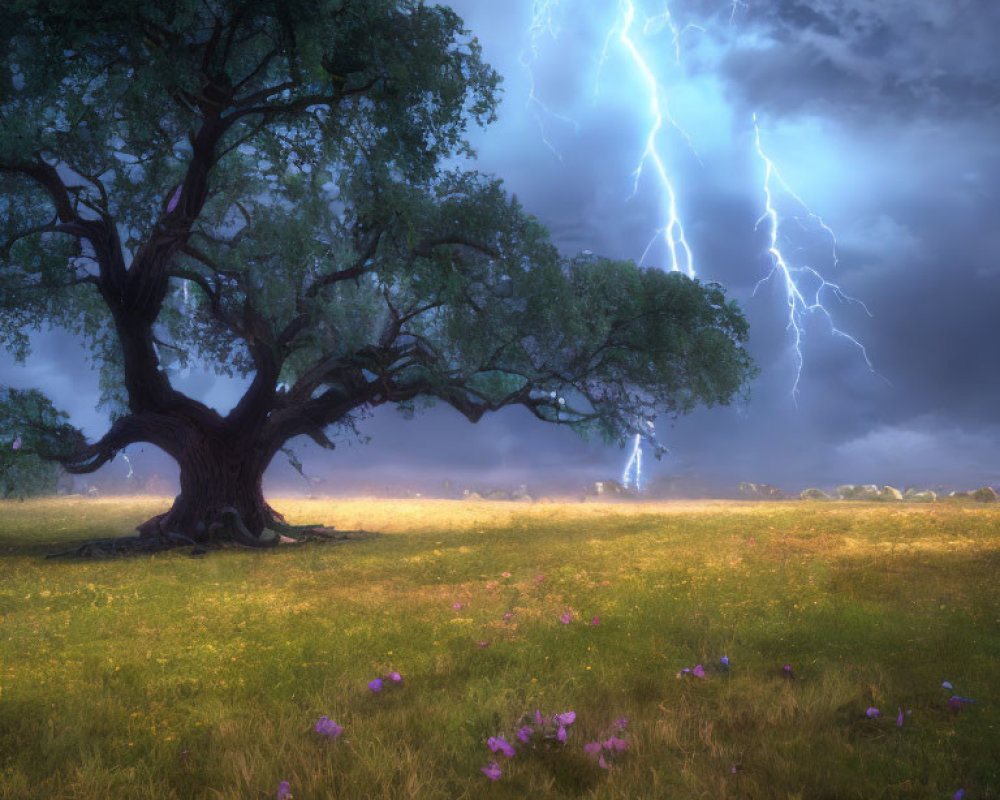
<point>221,494</point>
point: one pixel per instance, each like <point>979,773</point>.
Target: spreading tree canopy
<point>282,190</point>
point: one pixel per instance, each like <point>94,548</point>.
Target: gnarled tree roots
<point>225,526</point>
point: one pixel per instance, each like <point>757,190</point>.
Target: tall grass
<point>178,677</point>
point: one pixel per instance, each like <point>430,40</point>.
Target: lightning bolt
<point>671,230</point>
<point>542,24</point>
<point>800,304</point>
<point>625,31</point>
<point>643,39</point>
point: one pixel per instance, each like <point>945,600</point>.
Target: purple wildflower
<point>539,578</point>
<point>561,733</point>
<point>508,614</point>
<point>492,771</point>
<point>566,618</point>
<point>787,672</point>
<point>525,733</point>
<point>958,795</point>
<point>698,671</point>
<point>946,685</point>
<point>956,703</point>
<point>395,677</point>
<point>16,444</point>
<point>457,606</point>
<point>873,712</point>
<point>622,722</point>
<point>899,719</point>
<point>499,743</point>
<point>327,727</point>
<point>602,763</point>
<point>592,749</point>
<point>565,719</point>
<point>173,204</point>
<point>376,685</point>
<point>724,661</point>
<point>284,791</point>
<point>595,621</point>
<point>539,719</point>
<point>616,745</point>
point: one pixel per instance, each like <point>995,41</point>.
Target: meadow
<point>171,676</point>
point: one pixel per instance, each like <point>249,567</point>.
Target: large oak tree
<point>281,188</point>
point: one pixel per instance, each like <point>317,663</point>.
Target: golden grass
<point>172,677</point>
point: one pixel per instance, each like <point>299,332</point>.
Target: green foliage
<point>26,475</point>
<point>29,425</point>
<point>333,223</point>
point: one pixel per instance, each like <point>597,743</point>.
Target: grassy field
<point>179,677</point>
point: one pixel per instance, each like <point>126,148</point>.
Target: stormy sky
<point>881,119</point>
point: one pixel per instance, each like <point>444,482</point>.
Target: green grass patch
<point>178,677</point>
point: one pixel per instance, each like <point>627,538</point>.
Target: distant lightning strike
<point>799,305</point>
<point>650,161</point>
<point>671,231</point>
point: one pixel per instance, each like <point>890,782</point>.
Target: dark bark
<point>221,494</point>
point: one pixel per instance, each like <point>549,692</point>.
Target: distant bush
<point>26,475</point>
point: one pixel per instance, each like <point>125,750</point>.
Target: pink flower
<point>499,743</point>
<point>592,748</point>
<point>482,644</point>
<point>602,763</point>
<point>284,791</point>
<point>525,733</point>
<point>622,722</point>
<point>394,676</point>
<point>568,718</point>
<point>561,733</point>
<point>327,727</point>
<point>508,614</point>
<point>539,578</point>
<point>457,606</point>
<point>492,771</point>
<point>376,685</point>
<point>171,206</point>
<point>698,671</point>
<point>595,621</point>
<point>616,745</point>
<point>956,703</point>
<point>566,618</point>
<point>505,574</point>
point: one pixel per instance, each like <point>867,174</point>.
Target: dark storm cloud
<point>867,58</point>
